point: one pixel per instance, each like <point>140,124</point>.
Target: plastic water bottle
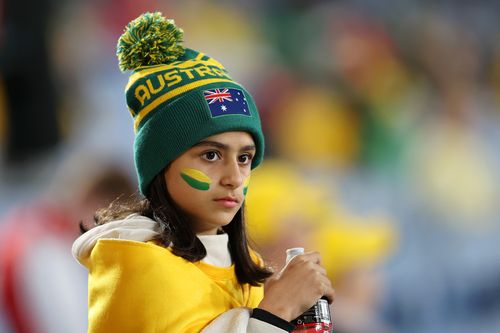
<point>318,318</point>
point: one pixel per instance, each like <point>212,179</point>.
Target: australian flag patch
<point>226,101</point>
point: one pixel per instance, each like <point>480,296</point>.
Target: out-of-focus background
<point>382,121</point>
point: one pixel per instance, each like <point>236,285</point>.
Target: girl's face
<point>209,180</point>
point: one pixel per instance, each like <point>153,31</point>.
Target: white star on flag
<point>223,108</point>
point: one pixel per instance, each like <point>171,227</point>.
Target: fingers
<point>311,260</point>
<point>308,280</point>
<point>326,288</point>
<point>321,270</point>
<point>330,294</point>
<point>313,257</point>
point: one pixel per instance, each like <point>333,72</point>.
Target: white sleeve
<point>259,326</point>
<point>53,287</point>
<point>238,320</point>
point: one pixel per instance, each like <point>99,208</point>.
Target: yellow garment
<point>143,287</point>
<point>279,194</point>
<point>282,205</point>
<point>349,243</point>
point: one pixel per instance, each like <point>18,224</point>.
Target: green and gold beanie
<point>178,96</point>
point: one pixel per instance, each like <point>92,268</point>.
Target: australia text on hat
<point>172,77</point>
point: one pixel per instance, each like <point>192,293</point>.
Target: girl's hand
<point>297,287</point>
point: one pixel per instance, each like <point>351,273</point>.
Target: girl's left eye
<point>245,159</point>
<point>210,156</point>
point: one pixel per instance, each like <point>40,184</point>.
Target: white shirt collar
<point>217,250</point>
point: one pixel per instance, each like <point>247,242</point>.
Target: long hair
<point>176,232</point>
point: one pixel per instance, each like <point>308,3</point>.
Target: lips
<point>227,202</point>
<point>228,199</point>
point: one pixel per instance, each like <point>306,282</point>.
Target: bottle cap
<point>290,253</point>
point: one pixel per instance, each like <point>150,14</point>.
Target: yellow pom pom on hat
<point>178,96</point>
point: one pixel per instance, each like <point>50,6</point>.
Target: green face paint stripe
<point>199,185</point>
<point>245,185</point>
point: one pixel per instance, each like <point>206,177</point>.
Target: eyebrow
<point>221,145</point>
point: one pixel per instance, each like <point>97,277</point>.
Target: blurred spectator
<point>366,62</point>
<point>452,216</point>
<point>454,150</point>
<point>284,211</point>
<point>355,251</point>
<point>325,130</point>
<point>43,288</point>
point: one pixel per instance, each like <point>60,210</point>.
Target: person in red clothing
<point>42,290</point>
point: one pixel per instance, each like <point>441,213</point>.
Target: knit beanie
<point>178,96</point>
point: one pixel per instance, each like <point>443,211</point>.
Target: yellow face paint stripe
<point>197,174</point>
<point>196,179</point>
<point>177,91</point>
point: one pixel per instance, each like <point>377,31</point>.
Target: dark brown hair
<point>175,230</point>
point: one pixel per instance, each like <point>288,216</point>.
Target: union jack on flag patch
<point>219,95</point>
<point>225,101</point>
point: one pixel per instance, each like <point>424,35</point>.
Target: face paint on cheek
<point>196,179</point>
<point>245,185</point>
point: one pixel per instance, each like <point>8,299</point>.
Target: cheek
<point>183,194</point>
<point>187,186</point>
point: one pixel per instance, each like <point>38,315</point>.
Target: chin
<point>224,219</point>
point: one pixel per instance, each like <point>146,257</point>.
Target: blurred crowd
<point>382,121</point>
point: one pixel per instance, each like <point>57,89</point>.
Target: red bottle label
<point>316,319</point>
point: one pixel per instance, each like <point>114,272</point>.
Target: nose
<point>231,175</point>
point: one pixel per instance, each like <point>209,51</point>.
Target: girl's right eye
<point>210,156</point>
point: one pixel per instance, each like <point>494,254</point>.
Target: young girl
<point>179,260</point>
